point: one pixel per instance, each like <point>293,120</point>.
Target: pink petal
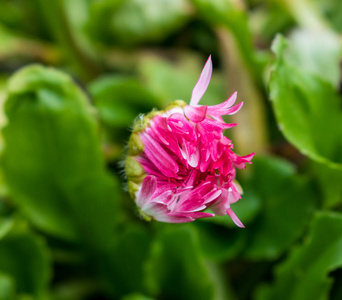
<point>233,195</point>
<point>153,209</point>
<point>190,153</point>
<point>148,187</point>
<point>164,198</point>
<point>204,165</point>
<point>191,177</point>
<point>155,152</point>
<point>195,113</point>
<point>182,217</point>
<point>234,218</point>
<point>241,161</point>
<point>212,196</point>
<point>173,218</point>
<point>202,83</point>
<point>237,187</point>
<point>220,206</point>
<point>198,215</point>
<point>228,103</point>
<point>195,203</point>
<point>225,141</point>
<point>180,125</point>
<point>213,125</point>
<point>160,128</point>
<point>149,167</point>
<point>233,110</point>
<point>223,112</point>
<point>194,159</point>
<point>202,189</point>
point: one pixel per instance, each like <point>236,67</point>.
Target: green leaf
<point>287,203</point>
<point>52,159</point>
<point>120,100</point>
<point>133,21</point>
<point>315,53</point>
<point>176,267</point>
<point>21,16</point>
<point>329,181</point>
<point>304,274</point>
<point>25,265</point>
<point>306,104</point>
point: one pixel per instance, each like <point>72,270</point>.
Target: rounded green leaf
<point>306,103</point>
<point>52,161</point>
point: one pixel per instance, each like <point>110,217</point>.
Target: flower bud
<point>180,164</point>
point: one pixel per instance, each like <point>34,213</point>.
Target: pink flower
<point>188,165</point>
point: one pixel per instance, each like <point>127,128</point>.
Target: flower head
<point>181,164</point>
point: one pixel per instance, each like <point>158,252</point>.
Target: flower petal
<point>202,83</point>
<point>242,160</point>
<point>235,219</point>
<point>195,203</point>
<point>180,125</point>
<point>228,103</point>
<point>223,112</point>
<point>211,196</point>
<point>148,187</point>
<point>221,205</point>
<point>173,218</point>
<point>153,209</point>
<point>155,152</point>
<point>195,113</point>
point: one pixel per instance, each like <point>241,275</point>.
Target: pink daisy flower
<point>183,164</point>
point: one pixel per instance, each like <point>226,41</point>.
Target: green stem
<point>251,134</point>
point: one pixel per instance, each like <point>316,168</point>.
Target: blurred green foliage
<point>73,77</point>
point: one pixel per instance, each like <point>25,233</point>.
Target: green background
<point>74,74</point>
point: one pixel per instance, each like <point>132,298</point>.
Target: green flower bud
<point>176,103</point>
<point>134,171</point>
<point>132,189</point>
<point>135,145</point>
<point>143,120</point>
